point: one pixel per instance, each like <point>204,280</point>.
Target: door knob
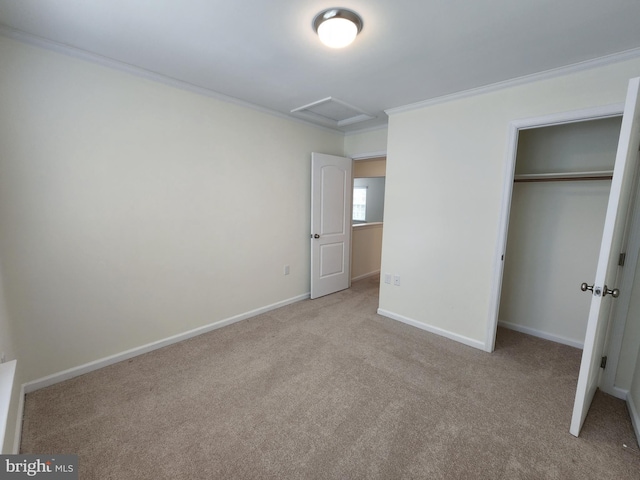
<point>584,287</point>
<point>615,293</point>
<point>316,236</point>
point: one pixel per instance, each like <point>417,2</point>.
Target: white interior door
<point>331,191</point>
<point>622,186</point>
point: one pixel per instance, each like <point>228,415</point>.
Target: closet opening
<point>558,206</point>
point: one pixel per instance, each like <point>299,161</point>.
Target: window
<point>360,204</point>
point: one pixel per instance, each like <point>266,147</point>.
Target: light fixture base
<point>336,16</point>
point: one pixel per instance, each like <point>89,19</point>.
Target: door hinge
<point>621,259</point>
<point>603,362</point>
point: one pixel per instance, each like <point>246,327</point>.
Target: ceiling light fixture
<point>337,27</point>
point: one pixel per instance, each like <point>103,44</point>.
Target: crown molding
<point>85,55</point>
<point>534,77</point>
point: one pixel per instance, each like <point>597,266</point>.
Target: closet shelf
<point>564,177</point>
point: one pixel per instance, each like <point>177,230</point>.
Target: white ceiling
<point>265,53</point>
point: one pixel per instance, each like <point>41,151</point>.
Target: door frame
<point>514,127</point>
<point>613,346</point>
<point>354,158</point>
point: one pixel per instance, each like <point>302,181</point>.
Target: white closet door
<point>607,269</point>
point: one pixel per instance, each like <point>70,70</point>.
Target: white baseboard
<point>617,392</point>
<point>541,334</point>
<point>134,352</point>
<point>366,275</point>
<point>635,417</point>
<point>430,328</point>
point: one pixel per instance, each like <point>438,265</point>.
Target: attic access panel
<point>333,112</point>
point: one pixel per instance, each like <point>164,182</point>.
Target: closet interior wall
<point>555,227</point>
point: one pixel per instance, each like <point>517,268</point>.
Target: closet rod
<point>564,177</point>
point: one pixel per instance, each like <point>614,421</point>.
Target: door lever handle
<point>615,293</point>
<point>584,287</point>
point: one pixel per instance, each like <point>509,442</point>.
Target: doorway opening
<point>516,128</point>
<point>332,182</point>
<point>369,176</point>
<point>558,207</point>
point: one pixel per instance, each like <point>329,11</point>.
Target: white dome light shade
<point>337,27</point>
<point>337,32</point>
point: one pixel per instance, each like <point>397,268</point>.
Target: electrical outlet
<point>286,270</point>
<point>387,278</point>
<point>396,280</point>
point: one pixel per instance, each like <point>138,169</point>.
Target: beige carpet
<point>327,389</point>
